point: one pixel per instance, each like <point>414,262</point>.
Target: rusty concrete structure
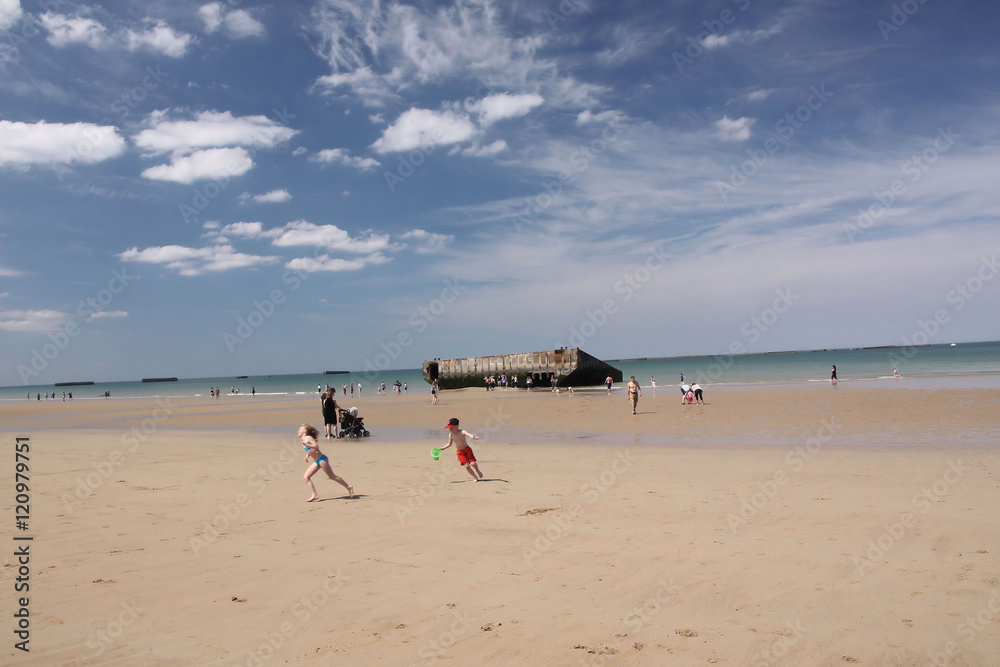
<point>571,367</point>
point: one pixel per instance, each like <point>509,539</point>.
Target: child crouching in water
<point>458,437</point>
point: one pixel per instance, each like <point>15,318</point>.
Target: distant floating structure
<point>335,372</point>
<point>571,367</point>
<point>159,379</point>
<point>73,384</point>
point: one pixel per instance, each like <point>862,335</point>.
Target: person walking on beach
<point>317,461</point>
<point>634,392</point>
<point>607,383</point>
<point>331,413</point>
<point>457,437</point>
<point>434,392</point>
<point>833,375</point>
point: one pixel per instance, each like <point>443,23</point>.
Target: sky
<point>242,188</point>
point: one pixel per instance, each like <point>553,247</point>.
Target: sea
<point>955,365</point>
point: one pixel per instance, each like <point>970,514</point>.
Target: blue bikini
<point>322,457</point>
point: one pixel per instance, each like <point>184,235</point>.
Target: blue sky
<point>210,189</point>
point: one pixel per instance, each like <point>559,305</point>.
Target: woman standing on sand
<point>331,413</point>
<point>317,461</point>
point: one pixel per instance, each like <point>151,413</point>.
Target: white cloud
<point>209,129</point>
<point>272,197</point>
<point>715,41</point>
<point>734,130</point>
<point>372,88</point>
<point>101,314</point>
<point>586,117</point>
<point>159,37</point>
<point>498,146</point>
<point>213,163</point>
<point>341,156</point>
<point>241,24</point>
<point>195,261</point>
<point>759,94</point>
<point>502,106</point>
<point>422,128</point>
<point>57,143</point>
<point>237,23</point>
<point>327,263</point>
<point>66,30</point>
<point>10,13</point>
<point>211,16</point>
<point>155,36</point>
<point>250,230</point>
<point>425,242</point>
<point>38,321</point>
<point>332,237</point>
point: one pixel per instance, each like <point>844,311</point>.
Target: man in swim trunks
<point>634,392</point>
<point>458,437</point>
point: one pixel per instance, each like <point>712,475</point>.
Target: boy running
<point>458,437</point>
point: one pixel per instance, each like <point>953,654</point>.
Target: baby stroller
<point>351,425</point>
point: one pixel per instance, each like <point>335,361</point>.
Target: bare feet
<point>312,499</point>
<point>350,490</point>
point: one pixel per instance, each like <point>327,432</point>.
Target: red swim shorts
<point>465,456</point>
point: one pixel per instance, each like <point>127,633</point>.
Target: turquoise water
<point>961,365</point>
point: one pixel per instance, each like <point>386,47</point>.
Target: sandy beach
<point>791,525</point>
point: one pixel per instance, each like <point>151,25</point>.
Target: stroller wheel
<point>366,434</point>
<point>343,433</point>
<point>353,434</point>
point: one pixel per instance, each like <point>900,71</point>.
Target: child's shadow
<point>356,496</point>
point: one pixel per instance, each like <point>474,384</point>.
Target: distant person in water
<point>895,373</point>
<point>317,461</point>
<point>833,375</point>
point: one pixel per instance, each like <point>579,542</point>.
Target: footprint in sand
<point>684,632</point>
